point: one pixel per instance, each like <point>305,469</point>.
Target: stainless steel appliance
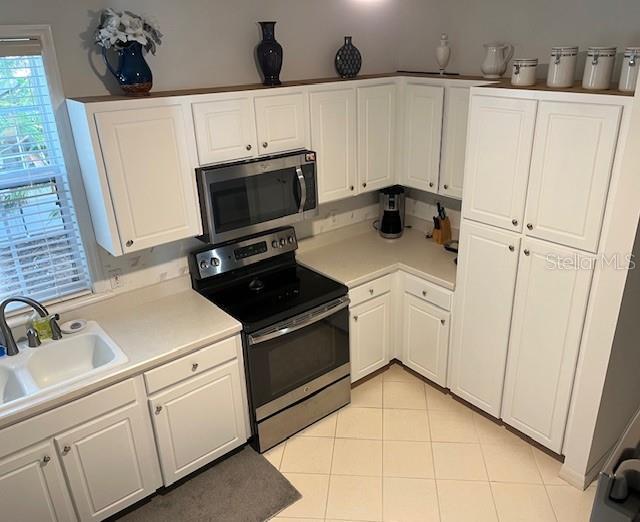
<point>391,222</point>
<point>295,330</point>
<point>254,196</point>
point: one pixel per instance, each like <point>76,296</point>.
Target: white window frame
<point>56,93</point>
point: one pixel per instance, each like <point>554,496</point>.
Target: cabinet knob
<point>364,184</point>
<point>66,450</point>
<point>194,367</point>
<point>371,291</point>
<point>264,144</point>
<point>158,410</point>
<point>442,322</point>
<point>512,248</point>
<point>424,293</point>
<point>431,183</point>
<point>129,243</point>
<point>526,252</point>
<point>445,187</point>
<point>351,187</point>
<point>514,222</point>
<point>249,147</point>
<point>530,226</point>
<point>355,318</point>
<point>46,459</point>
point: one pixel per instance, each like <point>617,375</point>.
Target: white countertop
<point>356,254</point>
<point>151,326</point>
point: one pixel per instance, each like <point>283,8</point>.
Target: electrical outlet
<point>115,277</point>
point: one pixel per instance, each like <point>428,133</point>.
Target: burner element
<point>256,285</point>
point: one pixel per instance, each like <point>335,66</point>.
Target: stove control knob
<point>204,265</point>
<point>283,241</point>
<point>215,261</point>
<point>274,243</point>
<point>290,239</point>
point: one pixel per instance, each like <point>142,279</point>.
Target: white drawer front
<point>428,291</point>
<point>372,289</point>
<point>192,364</point>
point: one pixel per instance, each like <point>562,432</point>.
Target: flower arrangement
<point>119,28</point>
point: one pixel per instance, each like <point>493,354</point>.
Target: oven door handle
<point>303,189</point>
<point>293,325</point>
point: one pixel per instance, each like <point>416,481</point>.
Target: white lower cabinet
<point>32,486</point>
<point>108,462</point>
<point>549,310</point>
<point>198,420</point>
<point>425,338</point>
<point>370,335</point>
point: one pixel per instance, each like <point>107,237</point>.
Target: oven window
<point>250,200</point>
<point>285,363</point>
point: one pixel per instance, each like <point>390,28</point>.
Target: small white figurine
<point>443,53</point>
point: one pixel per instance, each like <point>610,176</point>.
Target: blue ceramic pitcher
<point>133,73</point>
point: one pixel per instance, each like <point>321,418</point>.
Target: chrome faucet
<point>6,336</point>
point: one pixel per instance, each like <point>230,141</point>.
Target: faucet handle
<point>56,333</point>
<point>33,339</point>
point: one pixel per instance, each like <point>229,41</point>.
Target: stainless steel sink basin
<point>55,364</point>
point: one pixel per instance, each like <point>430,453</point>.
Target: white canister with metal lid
<point>562,67</point>
<point>629,71</point>
<point>523,72</point>
<point>598,67</point>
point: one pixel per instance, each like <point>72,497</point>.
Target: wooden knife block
<point>442,235</point>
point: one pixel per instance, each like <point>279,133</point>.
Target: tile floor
<point>404,451</point>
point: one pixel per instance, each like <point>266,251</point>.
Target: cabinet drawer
<point>192,364</point>
<point>428,291</point>
<point>374,288</point>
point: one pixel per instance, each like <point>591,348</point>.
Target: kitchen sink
<point>56,363</point>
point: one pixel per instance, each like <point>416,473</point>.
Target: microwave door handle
<point>290,328</point>
<point>303,189</point>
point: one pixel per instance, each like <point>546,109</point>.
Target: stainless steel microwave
<point>243,198</point>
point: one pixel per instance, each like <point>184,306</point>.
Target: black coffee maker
<point>391,222</point>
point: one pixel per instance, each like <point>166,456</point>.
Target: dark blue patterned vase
<point>269,54</point>
<point>348,59</point>
<point>133,73</point>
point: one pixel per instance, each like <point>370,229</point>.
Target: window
<point>41,252</point>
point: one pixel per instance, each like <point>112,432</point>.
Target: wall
<point>211,42</point>
<point>532,26</point>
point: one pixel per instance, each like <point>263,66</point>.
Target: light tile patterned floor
<point>403,451</point>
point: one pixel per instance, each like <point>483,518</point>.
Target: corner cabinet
<point>137,160</point>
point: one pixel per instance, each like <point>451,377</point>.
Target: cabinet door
<point>483,303</point>
<point>110,462</point>
<point>32,486</point>
<point>151,177</point>
<point>198,421</point>
<point>422,135</point>
<point>497,160</point>
<point>225,129</point>
<point>376,136</point>
<point>282,121</point>
<point>549,311</point>
<point>333,137</point>
<point>570,170</point>
<point>454,141</point>
<point>425,338</point>
<point>370,336</point>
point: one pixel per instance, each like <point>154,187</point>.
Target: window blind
<point>41,252</point>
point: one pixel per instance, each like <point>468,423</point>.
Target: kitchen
<point>477,378</point>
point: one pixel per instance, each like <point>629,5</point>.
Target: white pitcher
<point>496,59</point>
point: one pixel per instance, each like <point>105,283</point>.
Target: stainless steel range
<point>295,330</point>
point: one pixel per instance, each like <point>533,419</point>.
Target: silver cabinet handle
<point>249,147</point>
<point>512,248</point>
<point>424,293</point>
<point>351,187</point>
<point>46,459</point>
<point>371,291</point>
<point>66,450</point>
<point>514,222</point>
<point>431,183</point>
<point>129,243</point>
<point>445,187</point>
<point>442,322</point>
<point>530,226</point>
<point>158,410</point>
<point>526,252</point>
<point>194,367</point>
<point>264,144</point>
<point>355,318</point>
<point>364,184</point>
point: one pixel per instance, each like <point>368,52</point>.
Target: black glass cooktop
<point>262,298</point>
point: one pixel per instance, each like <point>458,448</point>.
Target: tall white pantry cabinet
<point>537,174</point>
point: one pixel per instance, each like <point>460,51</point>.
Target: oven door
<point>296,358</point>
<point>253,197</point>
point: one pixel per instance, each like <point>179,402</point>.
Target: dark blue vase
<point>133,73</point>
<point>269,54</point>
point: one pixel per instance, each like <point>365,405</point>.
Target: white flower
<point>116,29</point>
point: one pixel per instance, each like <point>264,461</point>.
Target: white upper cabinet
<point>376,136</point>
<point>422,135</point>
<point>282,121</point>
<point>454,141</point>
<point>549,311</point>
<point>333,137</point>
<point>225,128</point>
<point>497,160</point>
<point>483,303</point>
<point>571,166</point>
<point>147,160</point>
